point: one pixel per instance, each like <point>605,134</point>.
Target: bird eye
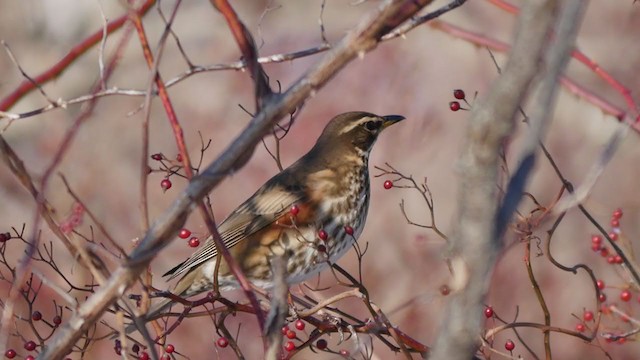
<point>372,125</point>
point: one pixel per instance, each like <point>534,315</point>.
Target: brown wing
<point>263,208</point>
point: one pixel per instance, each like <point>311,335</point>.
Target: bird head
<point>357,130</point>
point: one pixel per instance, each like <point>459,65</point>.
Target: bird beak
<point>391,119</point>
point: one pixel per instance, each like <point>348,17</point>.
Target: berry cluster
<point>459,95</point>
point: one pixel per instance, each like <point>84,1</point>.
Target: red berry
<point>348,229</point>
<point>600,284</point>
<point>10,354</point>
<point>321,344</point>
<point>509,345</point>
<point>613,236</point>
<point>602,297</point>
<point>291,334</point>
<point>170,348</point>
<point>588,315</point>
<point>222,342</point>
<point>617,214</point>
<point>294,210</point>
<point>604,252</point>
<point>596,247</point>
<point>322,248</point>
<point>165,184</point>
<point>165,357</point>
<point>289,346</point>
<point>143,356</point>
<point>156,157</point>
<point>179,158</point>
<point>29,357</point>
<point>135,348</point>
<point>622,340</point>
<point>611,259</point>
<point>30,345</point>
<point>194,242</point>
<point>615,223</point>
<point>445,290</point>
<point>284,329</point>
<point>300,325</point>
<point>36,316</point>
<point>458,94</point>
<point>344,352</point>
<point>488,312</point>
<point>625,295</point>
<point>388,184</point>
<point>454,106</point>
<point>596,239</point>
<point>323,235</point>
<point>184,233</point>
<point>618,259</point>
<point>580,327</point>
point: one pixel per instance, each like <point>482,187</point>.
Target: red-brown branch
<point>53,72</point>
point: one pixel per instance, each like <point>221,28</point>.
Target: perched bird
<point>311,213</point>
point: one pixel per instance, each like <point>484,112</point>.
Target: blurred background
<point>413,76</point>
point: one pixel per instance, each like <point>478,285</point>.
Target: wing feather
<point>260,210</point>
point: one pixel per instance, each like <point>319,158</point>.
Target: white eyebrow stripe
<point>357,123</point>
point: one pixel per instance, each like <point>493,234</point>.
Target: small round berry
<point>289,346</point>
<point>321,344</point>
<point>600,284</point>
<point>588,315</point>
<point>580,327</point>
<point>4,237</point>
<point>459,94</point>
<point>617,214</point>
<point>165,357</point>
<point>625,295</point>
<point>596,239</point>
<point>291,334</point>
<point>156,157</point>
<point>300,325</point>
<point>10,354</point>
<point>388,184</point>
<point>143,356</point>
<point>222,342</point>
<point>488,312</point>
<point>184,233</point>
<point>596,247</point>
<point>295,210</point>
<point>344,352</point>
<point>323,235</point>
<point>348,229</point>
<point>613,236</point>
<point>57,320</point>
<point>194,242</point>
<point>29,357</point>
<point>615,223</point>
<point>165,184</point>
<point>285,329</point>
<point>322,248</point>
<point>509,345</point>
<point>602,297</point>
<point>179,158</point>
<point>454,106</point>
<point>604,252</point>
<point>36,316</point>
<point>30,345</point>
<point>618,259</point>
<point>611,259</point>
<point>135,348</point>
<point>170,348</point>
<point>445,290</point>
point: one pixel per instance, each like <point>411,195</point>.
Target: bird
<point>311,213</point>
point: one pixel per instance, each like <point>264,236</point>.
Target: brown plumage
<point>329,189</point>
